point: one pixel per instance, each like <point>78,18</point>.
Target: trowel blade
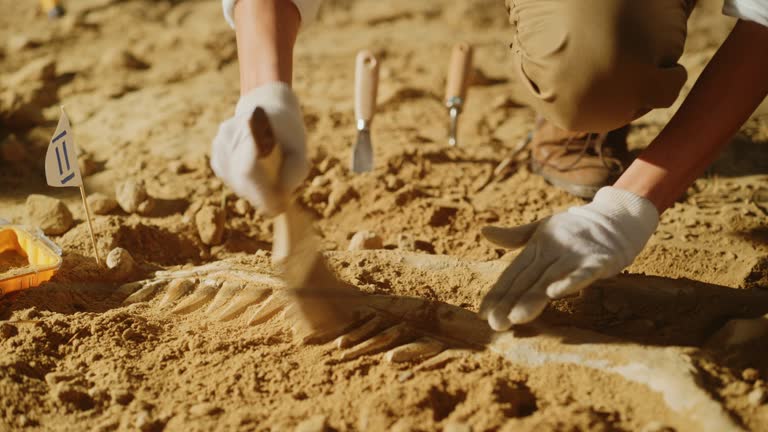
<point>362,153</point>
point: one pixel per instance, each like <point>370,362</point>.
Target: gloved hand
<point>565,253</point>
<point>234,153</point>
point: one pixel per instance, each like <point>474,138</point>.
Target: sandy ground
<point>147,82</point>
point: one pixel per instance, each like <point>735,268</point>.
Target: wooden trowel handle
<point>459,72</point>
<point>270,155</point>
<point>366,85</point>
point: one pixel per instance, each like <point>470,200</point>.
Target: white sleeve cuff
<point>307,10</point>
<point>749,10</point>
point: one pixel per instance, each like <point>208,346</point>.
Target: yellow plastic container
<point>44,258</point>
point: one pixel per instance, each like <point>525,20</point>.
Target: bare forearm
<point>732,85</point>
<point>266,33</point>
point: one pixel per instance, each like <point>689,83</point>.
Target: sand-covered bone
<point>432,334</point>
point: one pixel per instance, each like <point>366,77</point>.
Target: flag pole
<point>90,225</point>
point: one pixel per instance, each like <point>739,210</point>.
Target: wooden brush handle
<point>459,72</point>
<point>269,153</point>
<point>366,85</point>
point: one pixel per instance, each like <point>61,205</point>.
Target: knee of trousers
<point>600,99</point>
<point>595,69</point>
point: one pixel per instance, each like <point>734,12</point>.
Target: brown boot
<point>578,162</point>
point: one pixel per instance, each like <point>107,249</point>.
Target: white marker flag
<point>61,168</point>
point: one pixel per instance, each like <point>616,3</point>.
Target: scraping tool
<point>366,86</point>
<point>321,299</point>
<point>456,88</point>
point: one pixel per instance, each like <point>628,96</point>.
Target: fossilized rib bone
<point>432,333</point>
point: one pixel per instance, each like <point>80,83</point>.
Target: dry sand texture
<point>195,335</point>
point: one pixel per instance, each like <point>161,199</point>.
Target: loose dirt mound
<point>146,84</point>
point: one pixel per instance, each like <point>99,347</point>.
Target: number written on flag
<point>61,169</point>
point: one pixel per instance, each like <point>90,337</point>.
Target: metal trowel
<point>366,87</point>
<point>322,300</point>
<point>459,74</point>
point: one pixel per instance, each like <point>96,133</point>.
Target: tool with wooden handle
<point>322,300</point>
<point>456,87</point>
<point>366,87</point>
<point>292,228</point>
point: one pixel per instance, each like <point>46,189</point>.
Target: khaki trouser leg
<point>596,65</point>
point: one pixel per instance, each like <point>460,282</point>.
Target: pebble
<point>757,397</point>
<point>204,409</point>
<point>210,224</point>
<point>242,207</point>
<point>12,150</point>
<point>8,331</point>
<point>101,204</point>
<point>750,375</point>
<point>363,240</point>
<point>120,262</point>
<point>49,214</point>
<point>132,197</point>
<point>318,423</point>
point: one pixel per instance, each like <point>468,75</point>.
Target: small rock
<point>204,410</point>
<point>242,207</point>
<point>210,224</point>
<point>363,240</point>
<point>49,214</point>
<point>101,204</point>
<point>8,331</point>
<point>12,150</point>
<point>123,397</point>
<point>750,375</point>
<point>73,396</point>
<point>120,262</point>
<point>318,423</point>
<point>119,58</point>
<point>757,397</point>
<point>132,195</point>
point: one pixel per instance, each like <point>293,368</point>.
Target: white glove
<point>234,153</point>
<point>565,253</point>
